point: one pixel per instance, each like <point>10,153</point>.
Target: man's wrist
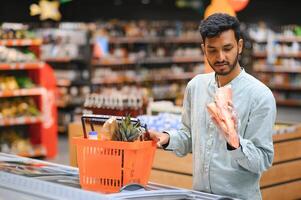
<point>166,145</point>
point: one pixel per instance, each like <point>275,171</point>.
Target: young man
<point>221,166</point>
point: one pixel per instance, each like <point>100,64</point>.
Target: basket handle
<point>103,118</point>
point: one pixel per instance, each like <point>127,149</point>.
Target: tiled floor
<point>63,151</point>
<point>292,115</point>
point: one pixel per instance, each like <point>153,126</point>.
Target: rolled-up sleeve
<point>180,140</point>
<point>256,151</point>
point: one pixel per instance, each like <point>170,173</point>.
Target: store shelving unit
<point>42,128</point>
<point>155,66</point>
<point>21,42</point>
<point>282,71</point>
<point>67,50</point>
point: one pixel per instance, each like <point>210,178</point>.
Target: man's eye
<point>228,49</point>
<point>211,50</point>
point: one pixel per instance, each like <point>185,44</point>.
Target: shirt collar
<point>213,84</point>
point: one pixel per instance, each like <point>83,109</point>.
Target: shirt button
<point>207,188</point>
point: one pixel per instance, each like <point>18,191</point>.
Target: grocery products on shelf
<point>8,55</point>
<point>27,94</point>
<point>147,29</point>
<point>111,101</point>
<point>18,107</point>
<point>17,141</point>
<point>16,31</point>
<point>141,75</point>
<point>277,61</point>
<point>14,83</point>
<point>62,43</point>
<point>162,121</point>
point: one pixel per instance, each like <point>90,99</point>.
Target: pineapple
<point>128,132</point>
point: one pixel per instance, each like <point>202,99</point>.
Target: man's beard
<point>231,67</point>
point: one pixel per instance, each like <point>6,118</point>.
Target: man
<point>219,165</point>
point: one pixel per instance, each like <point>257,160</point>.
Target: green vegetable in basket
<point>129,132</point>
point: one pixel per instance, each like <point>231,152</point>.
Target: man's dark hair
<point>217,23</point>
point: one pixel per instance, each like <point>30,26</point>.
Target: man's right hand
<point>161,138</point>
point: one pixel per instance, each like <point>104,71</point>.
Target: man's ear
<point>203,48</point>
<point>240,45</point>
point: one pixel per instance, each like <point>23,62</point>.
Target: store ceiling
<point>271,11</point>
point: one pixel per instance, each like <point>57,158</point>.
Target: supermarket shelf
<point>126,40</point>
<point>197,39</point>
<point>187,59</point>
<point>150,60</point>
<point>288,102</point>
<point>21,42</point>
<point>289,39</point>
<point>63,60</point>
<point>109,62</point>
<point>287,55</point>
<point>276,69</point>
<point>284,87</point>
<point>20,121</point>
<point>169,98</point>
<point>36,152</point>
<point>21,66</point>
<point>182,77</point>
<point>62,129</point>
<point>21,92</point>
<point>71,105</point>
<point>260,54</point>
<point>120,40</point>
<point>69,83</point>
<point>283,39</point>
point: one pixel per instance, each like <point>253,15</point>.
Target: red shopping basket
<point>106,166</point>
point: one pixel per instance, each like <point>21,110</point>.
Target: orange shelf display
<point>20,121</point>
<point>36,151</point>
<point>21,42</point>
<point>21,66</point>
<point>21,92</point>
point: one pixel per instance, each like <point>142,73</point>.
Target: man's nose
<point>221,56</point>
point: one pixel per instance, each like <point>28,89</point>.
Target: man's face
<point>222,52</point>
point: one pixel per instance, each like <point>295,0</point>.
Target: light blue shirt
<point>215,169</point>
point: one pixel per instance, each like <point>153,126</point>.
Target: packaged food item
<point>108,129</point>
<point>93,135</point>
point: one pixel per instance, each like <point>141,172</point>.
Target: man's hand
<point>160,138</point>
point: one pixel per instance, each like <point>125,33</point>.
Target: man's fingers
<point>159,145</point>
